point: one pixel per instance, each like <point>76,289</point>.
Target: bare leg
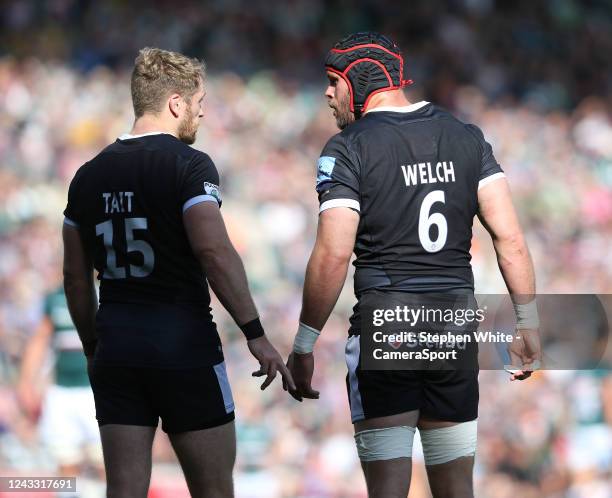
<point>127,459</point>
<point>207,458</point>
<point>452,479</point>
<point>388,478</point>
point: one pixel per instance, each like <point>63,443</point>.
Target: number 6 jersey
<point>413,174</point>
<point>128,205</point>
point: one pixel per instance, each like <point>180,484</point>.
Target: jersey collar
<point>407,108</point>
<point>127,136</point>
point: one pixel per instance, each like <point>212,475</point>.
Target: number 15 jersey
<point>128,205</point>
<point>413,174</point>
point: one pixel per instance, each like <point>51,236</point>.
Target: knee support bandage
<point>385,444</point>
<point>448,443</point>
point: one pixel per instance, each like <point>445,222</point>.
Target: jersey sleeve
<point>201,182</point>
<point>489,167</point>
<point>338,176</point>
<point>72,213</point>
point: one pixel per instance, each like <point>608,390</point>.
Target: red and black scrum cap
<point>369,63</point>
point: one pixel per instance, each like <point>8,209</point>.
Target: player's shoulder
<point>439,113</point>
<point>435,111</point>
<point>165,144</point>
<point>83,172</point>
<point>421,113</point>
<point>168,144</point>
<point>186,154</point>
<point>175,146</point>
<point>442,113</point>
<point>353,131</point>
<point>339,146</point>
<point>345,138</point>
<point>88,172</point>
<point>462,129</point>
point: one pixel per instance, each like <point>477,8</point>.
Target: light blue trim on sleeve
<point>197,199</point>
<point>71,223</point>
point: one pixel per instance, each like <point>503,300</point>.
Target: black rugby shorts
<point>188,399</point>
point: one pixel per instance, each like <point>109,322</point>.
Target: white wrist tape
<point>527,315</point>
<point>305,339</point>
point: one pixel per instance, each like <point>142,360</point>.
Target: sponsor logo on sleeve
<point>212,189</point>
<point>325,167</point>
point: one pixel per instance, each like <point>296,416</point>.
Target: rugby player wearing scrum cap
<point>399,186</point>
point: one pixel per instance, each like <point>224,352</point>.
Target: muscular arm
<point>325,275</point>
<point>499,217</point>
<point>328,264</point>
<point>79,287</point>
<point>224,269</point>
<point>497,214</point>
<point>227,278</point>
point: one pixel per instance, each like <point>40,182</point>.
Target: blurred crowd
<point>533,75</point>
<point>552,53</point>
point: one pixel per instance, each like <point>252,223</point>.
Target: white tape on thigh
<point>385,444</point>
<point>448,443</point>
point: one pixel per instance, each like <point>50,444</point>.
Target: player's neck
<point>392,98</point>
<point>152,124</point>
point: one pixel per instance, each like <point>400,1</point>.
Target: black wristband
<point>89,347</point>
<point>252,329</point>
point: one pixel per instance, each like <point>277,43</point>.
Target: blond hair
<point>158,74</point>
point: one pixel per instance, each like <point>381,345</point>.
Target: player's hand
<point>301,367</point>
<point>525,353</point>
<point>270,362</point>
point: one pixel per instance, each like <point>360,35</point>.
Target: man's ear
<point>174,104</point>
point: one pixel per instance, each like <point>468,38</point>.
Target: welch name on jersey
<point>419,173</point>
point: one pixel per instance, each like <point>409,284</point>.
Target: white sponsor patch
<point>212,189</point>
<point>325,168</point>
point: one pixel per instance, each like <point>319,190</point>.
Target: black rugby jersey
<point>413,174</point>
<point>128,205</point>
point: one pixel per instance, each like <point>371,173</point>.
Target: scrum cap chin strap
<point>368,68</point>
